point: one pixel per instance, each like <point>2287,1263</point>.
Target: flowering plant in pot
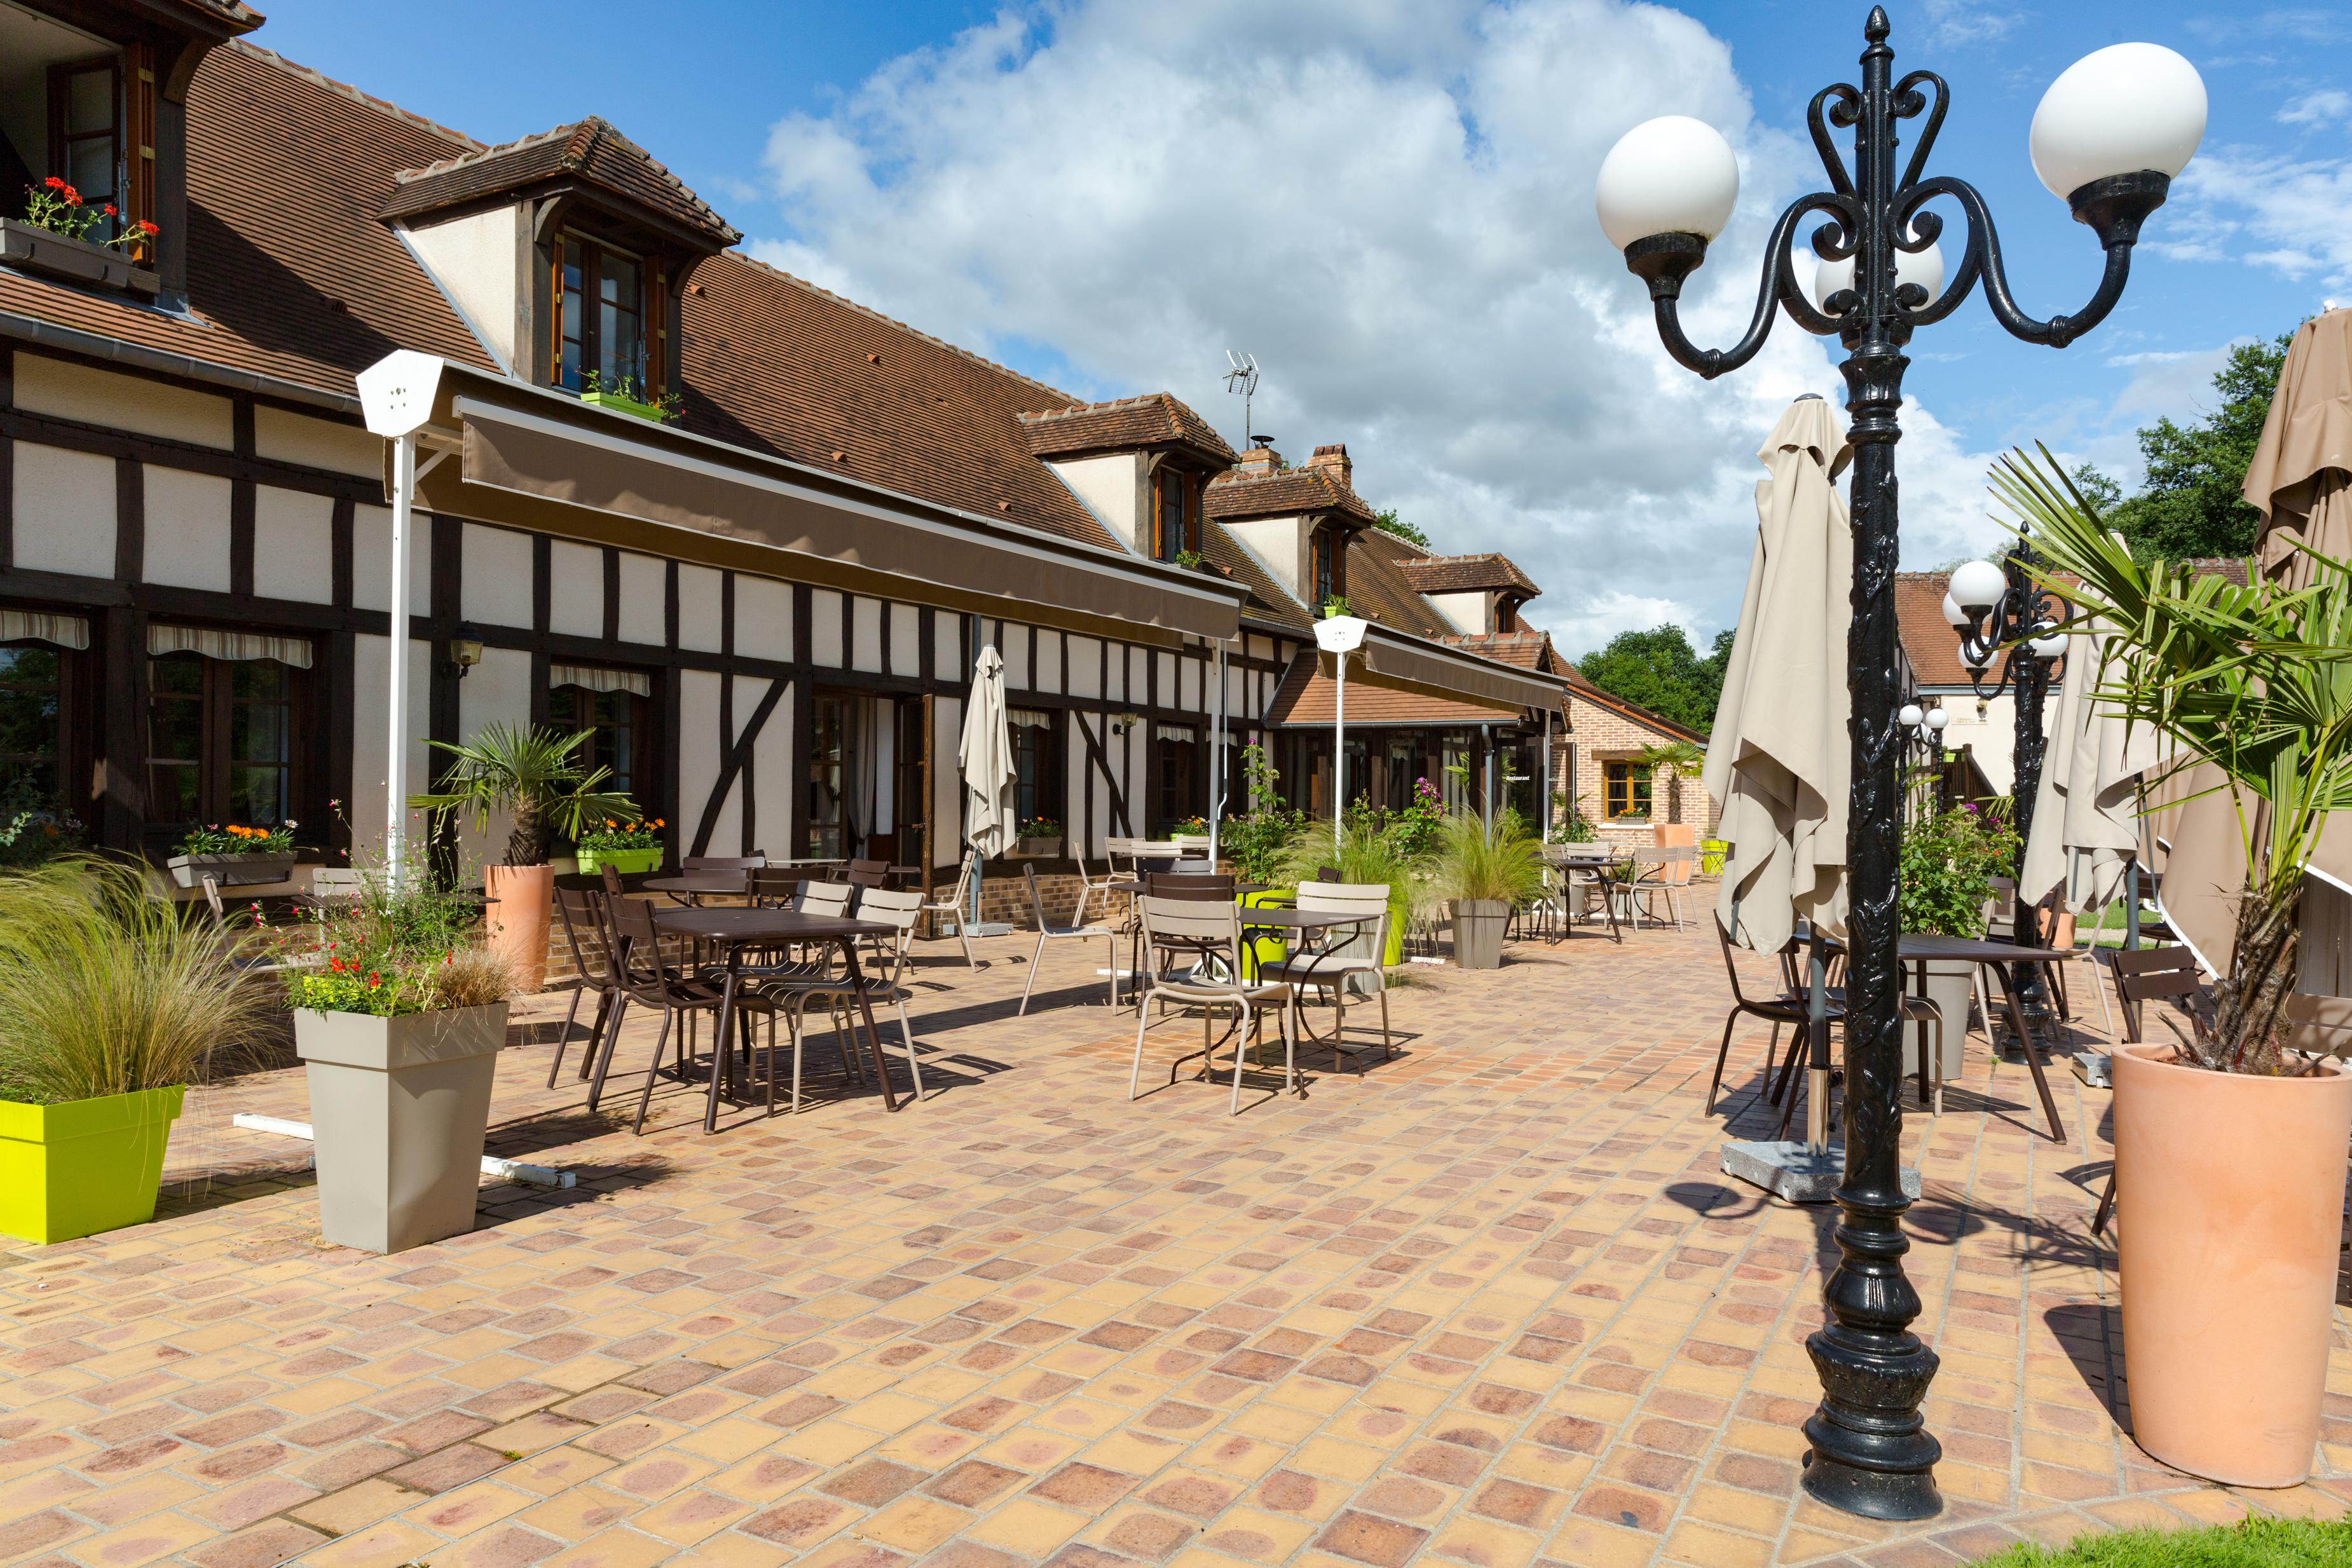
<point>1039,837</point>
<point>625,846</point>
<point>399,1009</point>
<point>235,855</point>
<point>2230,1144</point>
<point>1946,866</point>
<point>540,779</point>
<point>110,1004</point>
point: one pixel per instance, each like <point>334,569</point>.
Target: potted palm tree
<point>111,1005</point>
<point>1679,759</point>
<point>2229,1145</point>
<point>1484,868</point>
<point>537,777</point>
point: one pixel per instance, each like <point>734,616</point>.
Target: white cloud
<point>2301,206</point>
<point>1955,24</point>
<point>1391,203</point>
<point>2317,107</point>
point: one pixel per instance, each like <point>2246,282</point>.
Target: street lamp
<point>1996,609</point>
<point>1339,635</point>
<point>2109,136</point>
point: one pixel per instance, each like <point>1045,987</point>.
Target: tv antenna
<point>1243,379</point>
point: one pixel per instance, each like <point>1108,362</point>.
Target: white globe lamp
<point>2119,111</point>
<point>2049,645</point>
<point>1937,718</point>
<point>1672,174</point>
<point>1954,613</point>
<point>1924,268</point>
<point>1909,716</point>
<point>1976,586</point>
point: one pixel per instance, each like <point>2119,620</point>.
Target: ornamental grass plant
<point>107,988</point>
<point>1487,858</point>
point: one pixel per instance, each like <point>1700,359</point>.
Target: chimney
<point>1333,460</point>
<point>1257,462</point>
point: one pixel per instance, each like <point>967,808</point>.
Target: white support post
<point>1339,749</point>
<point>395,782</point>
<point>1544,784</point>
<point>1218,782</point>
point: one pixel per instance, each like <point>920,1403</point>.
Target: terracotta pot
<point>517,921</point>
<point>2231,1194</point>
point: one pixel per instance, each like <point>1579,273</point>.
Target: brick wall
<point>1602,735</point>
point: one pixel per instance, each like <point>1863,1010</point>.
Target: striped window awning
<point>597,678</point>
<point>42,626</point>
<point>236,646</point>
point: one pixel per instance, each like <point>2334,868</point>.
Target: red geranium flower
<point>54,184</point>
<point>150,230</point>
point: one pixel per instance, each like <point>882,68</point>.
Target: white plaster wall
<point>497,580</point>
<point>825,631</point>
<point>772,774</point>
<point>497,690</point>
<point>1467,611</point>
<point>699,746</point>
<point>1115,675</point>
<point>764,619</point>
<point>643,616</point>
<point>1084,657</point>
<point>1048,673</point>
<point>63,508</point>
<point>576,589</point>
<point>947,782</point>
<point>1075,838</point>
<point>1993,738</point>
<point>316,443</point>
<point>701,592</point>
<point>372,560</point>
<point>64,389</point>
<point>883,716</point>
<point>906,640</point>
<point>371,672</point>
<point>473,260</point>
<point>866,636</point>
<point>293,545</point>
<point>1281,544</point>
<point>739,833</point>
<point>188,529</point>
<point>1139,677</point>
<point>1116,490</point>
<point>1014,647</point>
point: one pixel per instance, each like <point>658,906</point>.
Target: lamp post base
<point>1794,1172</point>
<point>1874,1494</point>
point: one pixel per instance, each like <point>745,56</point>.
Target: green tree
<point>1659,670</point>
<point>2191,505</point>
<point>1403,530</point>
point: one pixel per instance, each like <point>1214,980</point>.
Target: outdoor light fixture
<point>2109,136</point>
<point>465,650</point>
<point>1125,722</point>
<point>1937,718</point>
<point>1339,635</point>
<point>1909,716</point>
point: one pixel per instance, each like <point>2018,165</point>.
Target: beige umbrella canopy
<point>985,757</point>
<point>2301,482</point>
<point>2085,815</point>
<point>1778,758</point>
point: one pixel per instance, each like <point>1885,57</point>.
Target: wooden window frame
<point>1622,780</point>
<point>1045,744</point>
<point>652,325</point>
<point>1327,566</point>
<point>1191,785</point>
<point>640,728</point>
<point>62,744</point>
<point>119,164</point>
<point>213,762</point>
<point>1191,535</point>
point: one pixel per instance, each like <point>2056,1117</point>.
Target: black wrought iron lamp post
<point>2109,136</point>
<point>2000,612</point>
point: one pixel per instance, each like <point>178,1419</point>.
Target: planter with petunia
<point>626,847</point>
<point>234,855</point>
<point>53,239</point>
<point>1040,838</point>
<point>399,1009</point>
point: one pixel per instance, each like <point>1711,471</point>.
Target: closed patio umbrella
<point>1777,757</point>
<point>985,759</point>
<point>2301,482</point>
<point>2086,813</point>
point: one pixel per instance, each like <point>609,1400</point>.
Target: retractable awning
<point>1399,662</point>
<point>536,459</point>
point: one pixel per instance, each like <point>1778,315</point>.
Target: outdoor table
<point>734,931</point>
<point>1917,950</point>
<point>1303,923</point>
<point>700,883</point>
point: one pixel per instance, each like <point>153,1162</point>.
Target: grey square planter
<point>399,1107</point>
<point>1478,926</point>
<point>231,871</point>
<point>34,249</point>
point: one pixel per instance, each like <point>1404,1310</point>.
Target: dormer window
<point>85,133</point>
<point>1327,566</point>
<point>1176,527</point>
<point>1506,615</point>
<point>600,321</point>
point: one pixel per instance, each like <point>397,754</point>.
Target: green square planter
<point>84,1167</point>
<point>1265,949</point>
<point>620,404</point>
<point>593,862</point>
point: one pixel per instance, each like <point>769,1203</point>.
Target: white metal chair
<point>957,906</point>
<point>1088,886</point>
<point>791,995</point>
<point>1350,954</point>
<point>1193,927</point>
<point>1658,872</point>
<point>1049,932</point>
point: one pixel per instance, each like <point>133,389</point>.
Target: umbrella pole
<point>1817,1049</point>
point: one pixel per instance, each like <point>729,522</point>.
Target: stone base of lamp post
<point>1794,1172</point>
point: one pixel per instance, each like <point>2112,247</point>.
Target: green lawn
<point>2256,1542</point>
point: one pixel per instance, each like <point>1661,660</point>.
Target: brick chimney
<point>1333,460</point>
<point>1257,462</point>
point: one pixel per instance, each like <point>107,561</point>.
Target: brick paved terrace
<point>1491,1303</point>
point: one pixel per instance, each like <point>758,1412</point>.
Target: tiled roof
<point>1124,424</point>
<point>1929,639</point>
<point>289,273</point>
<point>588,149</point>
<point>1284,493</point>
<point>229,14</point>
<point>1467,574</point>
<point>782,366</point>
<point>1308,697</point>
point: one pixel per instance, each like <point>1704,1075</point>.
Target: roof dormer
<point>1142,465</point>
<point>568,252</point>
<point>93,125</point>
<point>1299,521</point>
<point>1478,593</point>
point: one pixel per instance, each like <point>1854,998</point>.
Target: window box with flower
<point>629,394</point>
<point>626,847</point>
<point>52,238</point>
<point>234,855</point>
<point>1040,838</point>
<point>1192,831</point>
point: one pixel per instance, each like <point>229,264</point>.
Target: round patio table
<point>737,931</point>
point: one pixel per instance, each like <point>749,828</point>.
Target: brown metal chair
<point>2143,976</point>
<point>582,912</point>
<point>723,862</point>
<point>644,976</point>
<point>772,886</point>
<point>868,873</point>
<point>1790,1008</point>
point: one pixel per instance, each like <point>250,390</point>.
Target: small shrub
<point>1948,862</point>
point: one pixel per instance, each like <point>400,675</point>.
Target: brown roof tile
<point>289,273</point>
<point>1123,425</point>
<point>589,150</point>
<point>1282,493</point>
<point>1467,574</point>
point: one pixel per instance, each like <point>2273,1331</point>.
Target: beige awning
<point>1399,662</point>
<point>536,458</point>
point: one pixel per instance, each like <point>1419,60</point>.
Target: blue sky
<point>1389,202</point>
